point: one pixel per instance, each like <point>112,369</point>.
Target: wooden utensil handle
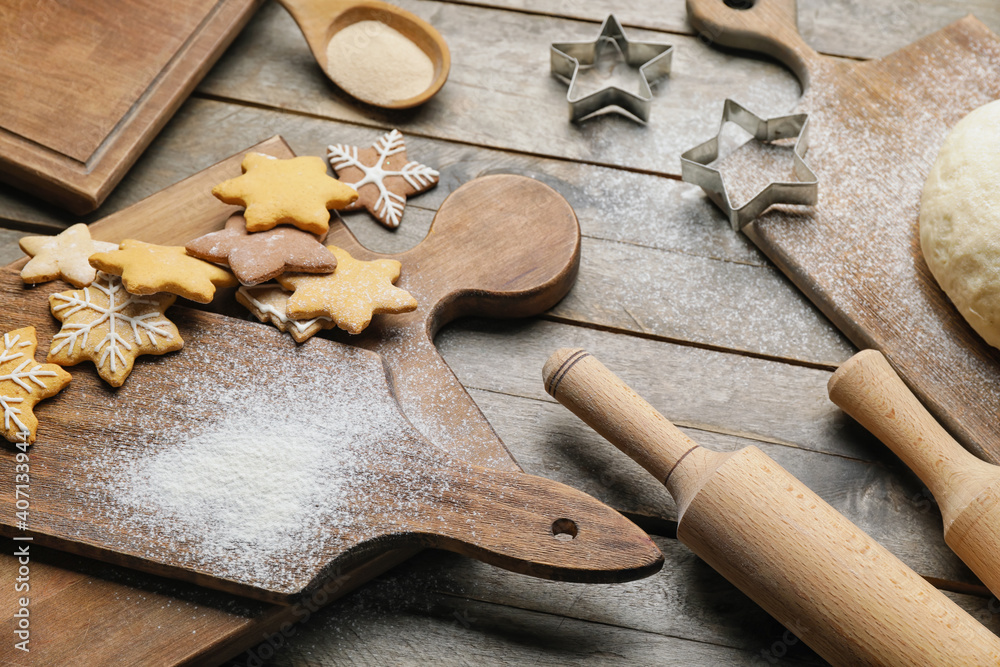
<point>534,526</point>
<point>841,592</point>
<point>485,222</point>
<point>867,388</point>
<point>609,406</point>
<point>767,26</point>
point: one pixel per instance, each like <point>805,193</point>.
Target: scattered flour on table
<point>377,63</point>
<point>258,473</point>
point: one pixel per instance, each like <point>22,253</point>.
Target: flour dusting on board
<point>258,473</point>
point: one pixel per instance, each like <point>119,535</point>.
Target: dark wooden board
<point>185,210</point>
<point>85,86</point>
<point>353,478</point>
<point>874,131</point>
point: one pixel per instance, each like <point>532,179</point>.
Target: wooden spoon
<point>320,20</point>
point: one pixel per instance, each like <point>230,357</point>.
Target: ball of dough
<point>960,220</point>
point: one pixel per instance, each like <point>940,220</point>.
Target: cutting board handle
<point>532,525</point>
<point>766,26</point>
<point>517,241</point>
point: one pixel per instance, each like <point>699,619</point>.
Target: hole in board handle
<point>740,4</point>
<point>564,529</point>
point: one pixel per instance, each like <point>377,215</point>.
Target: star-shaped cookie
<point>146,268</point>
<point>62,256</point>
<point>382,175</point>
<point>255,258</point>
<point>109,326</point>
<point>24,382</point>
<point>297,191</point>
<point>351,294</point>
<point>269,303</point>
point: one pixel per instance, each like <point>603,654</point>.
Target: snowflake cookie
<point>24,382</point>
<point>62,256</point>
<point>382,175</point>
<point>255,258</point>
<point>109,326</point>
<point>150,269</point>
<point>269,303</point>
<point>351,294</point>
<point>297,191</point>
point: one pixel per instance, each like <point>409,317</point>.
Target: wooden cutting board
<point>505,278</point>
<point>256,466</point>
<point>86,85</point>
<point>875,129</point>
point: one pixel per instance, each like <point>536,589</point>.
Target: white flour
<point>259,473</point>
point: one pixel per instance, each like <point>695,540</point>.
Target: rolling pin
<point>846,596</point>
<point>966,489</point>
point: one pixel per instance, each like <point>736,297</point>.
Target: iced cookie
<point>382,175</point>
<point>297,191</point>
<point>109,326</point>
<point>24,382</point>
<point>62,256</point>
<point>269,303</point>
<point>149,269</point>
<point>351,294</point>
<point>255,258</point>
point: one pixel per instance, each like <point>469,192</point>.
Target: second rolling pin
<point>846,596</point>
<point>966,489</point>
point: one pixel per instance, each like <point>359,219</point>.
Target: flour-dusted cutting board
<point>251,464</point>
<point>875,128</point>
<point>85,85</point>
<point>486,268</point>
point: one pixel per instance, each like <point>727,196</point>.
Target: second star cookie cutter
<point>652,59</point>
<point>804,191</point>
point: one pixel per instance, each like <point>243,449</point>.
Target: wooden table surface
<point>683,308</point>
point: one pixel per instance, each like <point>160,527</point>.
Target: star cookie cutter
<point>804,191</point>
<point>652,60</point>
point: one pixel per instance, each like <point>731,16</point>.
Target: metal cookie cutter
<point>695,169</point>
<point>652,60</point>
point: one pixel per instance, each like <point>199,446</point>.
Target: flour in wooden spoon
<point>378,64</point>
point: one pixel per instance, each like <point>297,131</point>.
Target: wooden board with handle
<point>875,128</point>
<point>87,85</point>
<point>500,278</point>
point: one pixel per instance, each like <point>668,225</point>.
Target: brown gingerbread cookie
<point>269,303</point>
<point>256,258</point>
<point>382,175</point>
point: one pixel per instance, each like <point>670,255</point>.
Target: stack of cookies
<point>116,311</point>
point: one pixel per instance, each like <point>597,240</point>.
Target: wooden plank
<point>889,504</point>
<point>423,614</point>
<point>848,28</point>
<point>709,390</point>
<point>484,104</point>
<point>448,610</point>
<point>436,633</point>
<point>662,263</point>
<point>89,84</point>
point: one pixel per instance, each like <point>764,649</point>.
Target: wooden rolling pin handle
<point>867,388</point>
<point>609,406</point>
<point>844,594</point>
